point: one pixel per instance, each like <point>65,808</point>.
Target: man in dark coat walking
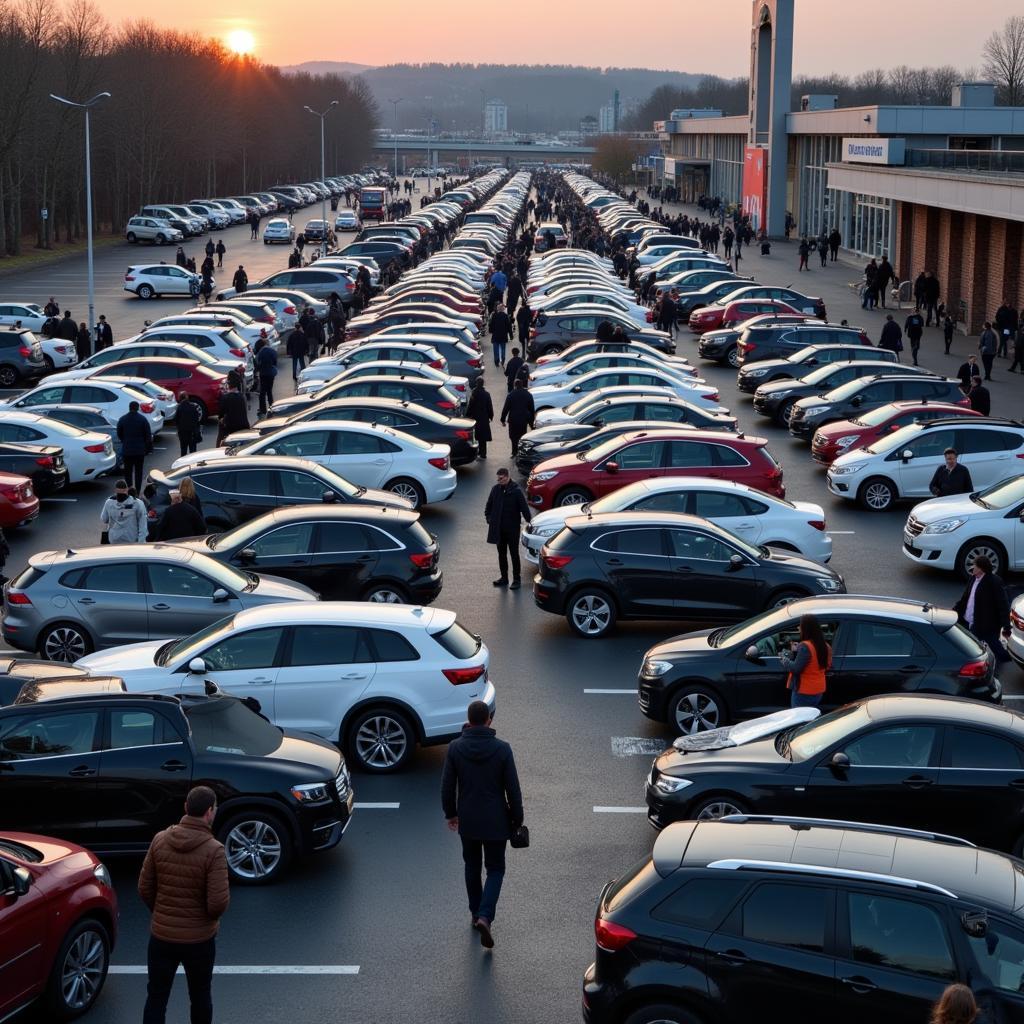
<point>297,349</point>
<point>513,367</point>
<point>984,608</point>
<point>506,506</point>
<point>233,414</point>
<point>951,477</point>
<point>979,397</point>
<point>241,280</point>
<point>104,335</point>
<point>518,412</point>
<point>500,328</point>
<point>891,337</point>
<point>914,327</point>
<point>480,409</point>
<point>180,520</point>
<point>188,422</point>
<point>483,802</point>
<point>136,437</point>
<point>524,317</point>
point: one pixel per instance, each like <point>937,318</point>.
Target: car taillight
<point>864,339</point>
<point>129,277</point>
<point>612,937</point>
<point>95,447</point>
<point>713,397</point>
<point>1016,620</point>
<point>62,349</point>
<point>436,364</point>
<point>350,287</point>
<point>45,461</point>
<point>533,332</point>
<point>464,435</point>
<point>818,524</point>
<point>151,514</point>
<point>238,352</point>
<point>290,310</point>
<point>965,401</point>
<point>975,669</point>
<point>445,404</point>
<point>746,346</point>
<point>146,407</point>
<point>24,351</point>
<point>474,362</point>
<point>17,597</point>
<point>423,560</point>
<point>441,463</point>
<point>459,676</point>
<point>459,387</point>
<point>555,561</point>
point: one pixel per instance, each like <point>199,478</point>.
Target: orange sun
<point>241,41</point>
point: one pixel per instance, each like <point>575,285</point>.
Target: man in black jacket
<point>233,414</point>
<point>951,477</point>
<point>187,421</point>
<point>482,801</point>
<point>136,437</point>
<point>180,520</point>
<point>518,412</point>
<point>506,506</point>
<point>979,396</point>
<point>968,371</point>
<point>500,329</point>
<point>513,366</point>
<point>984,608</point>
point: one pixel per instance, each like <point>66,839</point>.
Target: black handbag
<point>520,838</point>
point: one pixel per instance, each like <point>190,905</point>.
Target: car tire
<point>591,613</point>
<point>715,807</point>
<point>386,593</point>
<point>732,358</point>
<point>49,364</point>
<point>132,237</point>
<point>405,487</point>
<point>785,412</point>
<point>877,494</point>
<point>9,377</point>
<point>146,291</point>
<point>160,239</point>
<point>987,546</point>
<point>695,708</point>
<point>266,241</point>
<point>380,740</point>
<point>65,642</point>
<point>572,496</point>
<point>204,413</point>
<point>552,350</point>
<point>661,1013</point>
<point>257,845</point>
<point>79,971</point>
<point>783,597</point>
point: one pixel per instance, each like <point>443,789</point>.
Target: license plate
<point>908,541</point>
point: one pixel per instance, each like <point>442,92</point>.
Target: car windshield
<point>875,417</point>
<point>896,439</point>
<point>845,391</point>
<point>226,725</point>
<point>190,646</point>
<point>1002,494</point>
<point>750,629</point>
<point>809,740</point>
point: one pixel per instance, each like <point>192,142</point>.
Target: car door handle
<point>233,502</point>
<point>684,568</point>
<point>367,558</point>
<point>379,462</point>
<point>859,984</point>
<point>613,561</point>
<point>743,526</point>
<point>355,675</point>
<point>86,600</point>
<point>1018,783</point>
<point>83,771</point>
<point>733,957</point>
<point>161,607</point>
<point>917,782</point>
<point>260,681</point>
<point>909,670</point>
<point>173,766</point>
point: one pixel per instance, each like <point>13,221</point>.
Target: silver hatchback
<point>69,603</point>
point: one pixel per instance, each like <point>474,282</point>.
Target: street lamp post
<point>88,197</point>
<point>323,171</point>
<point>395,103</point>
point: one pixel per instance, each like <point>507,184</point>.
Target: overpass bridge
<point>419,152</point>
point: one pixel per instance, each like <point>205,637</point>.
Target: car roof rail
<point>742,864</point>
<point>849,826</point>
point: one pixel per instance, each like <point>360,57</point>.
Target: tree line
<point>186,119</point>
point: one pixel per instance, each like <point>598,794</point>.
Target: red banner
<point>755,185</point>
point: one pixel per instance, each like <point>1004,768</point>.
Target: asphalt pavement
<point>378,929</point>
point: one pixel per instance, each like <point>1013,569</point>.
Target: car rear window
<point>964,641</point>
<point>418,533</point>
<point>458,641</point>
<point>701,902</point>
<point>25,580</point>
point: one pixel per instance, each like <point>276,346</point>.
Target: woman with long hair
<point>956,1006</point>
<point>807,661</point>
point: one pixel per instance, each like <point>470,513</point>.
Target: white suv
<point>151,229</point>
<point>151,280</point>
<point>902,464</point>
<point>377,679</point>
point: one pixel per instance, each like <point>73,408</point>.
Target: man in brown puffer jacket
<point>184,882</point>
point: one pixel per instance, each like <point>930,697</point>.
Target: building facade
<point>495,117</point>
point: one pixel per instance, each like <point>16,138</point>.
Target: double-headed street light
<point>323,171</point>
<point>395,103</point>
<point>88,196</point>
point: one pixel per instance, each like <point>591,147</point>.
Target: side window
<point>641,542</point>
<point>391,646</point>
<point>304,445</point>
<point>896,746</point>
<point>355,390</point>
<point>178,581</point>
<point>899,934</point>
<point>217,482</point>
<point>1000,956</point>
<point>351,443</point>
<point>667,501</point>
<point>933,443</point>
<point>49,736</point>
<point>329,645</point>
<point>723,455</point>
<point>288,540</point>
<point>884,640</point>
<point>254,481</point>
<point>116,578</point>
<point>881,392</point>
<point>378,540</point>
<point>787,915</point>
<point>981,441</point>
<point>715,505</point>
<point>84,394</point>
<point>400,391</point>
<point>689,454</point>
<point>341,537</point>
<point>694,546</point>
<point>972,749</point>
<point>645,455</point>
<point>48,396</point>
<point>133,728</point>
<point>256,648</point>
<point>701,902</point>
<point>301,485</point>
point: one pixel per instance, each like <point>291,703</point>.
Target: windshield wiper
<point>161,654</point>
<point>782,744</point>
<point>252,578</point>
<point>211,541</point>
<point>766,552</point>
<point>978,500</point>
<point>715,635</point>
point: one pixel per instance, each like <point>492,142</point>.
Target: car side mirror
<point>753,654</point>
<point>906,455</point>
<point>21,882</point>
<point>856,400</point>
<point>736,562</point>
<point>598,423</point>
<point>612,467</point>
<point>247,555</point>
<point>197,667</point>
<point>839,762</point>
<point>974,923</point>
<point>220,595</point>
<point>269,451</point>
<point>576,390</point>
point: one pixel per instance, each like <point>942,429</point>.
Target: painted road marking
<point>633,691</point>
<point>632,746</point>
<point>620,810</point>
<point>841,533</point>
<point>375,807</point>
<point>252,969</point>
<point>65,500</point>
<point>1013,696</point>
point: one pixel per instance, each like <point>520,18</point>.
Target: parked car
<point>22,361</point>
<point>752,375</point>
<point>714,677</point>
<point>279,229</point>
<point>152,280</point>
<point>19,503</point>
<point>42,464</point>
<point>205,385</point>
<point>409,672</point>
<point>347,220</point>
<point>722,345</point>
<point>372,351</point>
<point>111,396</point>
<point>565,329</point>
<point>279,793</point>
<point>151,229</point>
<point>725,313</point>
<point>88,455</point>
<point>430,394</point>
<point>601,569</point>
<point>557,396</point>
<point>761,341</point>
<point>16,673</point>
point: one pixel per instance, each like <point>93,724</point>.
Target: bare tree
<point>1003,56</point>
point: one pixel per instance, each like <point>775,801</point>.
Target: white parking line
<point>65,500</point>
<point>632,691</point>
<point>253,969</point>
<point>841,533</point>
<point>620,810</point>
<point>1013,696</point>
<point>633,746</point>
<point>375,807</point>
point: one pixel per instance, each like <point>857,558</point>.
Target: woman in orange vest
<point>807,663</point>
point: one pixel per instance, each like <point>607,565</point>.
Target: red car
<point>842,436</point>
<point>640,455</point>
<point>19,502</point>
<point>711,318</point>
<point>204,386</point>
<point>58,923</point>
<point>443,298</point>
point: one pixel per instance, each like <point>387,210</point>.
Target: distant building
<point>589,125</point>
<point>606,119</point>
<point>495,117</point>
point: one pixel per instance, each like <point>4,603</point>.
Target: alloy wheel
<point>407,490</point>
<point>878,496</point>
<point>384,596</point>
<point>83,970</point>
<point>65,643</point>
<point>976,551</point>
<point>717,809</point>
<point>253,849</point>
<point>381,742</point>
<point>591,614</point>
<point>697,712</point>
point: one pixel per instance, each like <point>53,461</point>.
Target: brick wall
<point>994,283</point>
<point>974,268</point>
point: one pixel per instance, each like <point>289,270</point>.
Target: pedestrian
<point>951,477</point>
<point>123,517</point>
<point>1007,320</point>
<point>188,422</point>
<point>987,344</point>
<point>187,488</point>
<point>180,520</point>
<point>220,250</point>
<point>835,239</point>
<point>891,337</point>
<point>804,251</point>
<point>136,437</point>
<point>104,334</point>
<point>83,341</point>
<point>524,319</point>
<point>480,409</point>
<point>51,309</point>
<point>266,368</point>
<point>919,291</point>
<point>1018,350</point>
<point>984,609</point>
<point>482,800</point>
<point>254,226</point>
<point>823,247</point>
<point>241,280</point>
<point>233,415</point>
<point>967,372</point>
<point>209,250</point>
<point>518,412</point>
<point>979,397</point>
<point>914,326</point>
<point>957,1005</point>
<point>180,257</point>
<point>205,288</point>
<point>807,661</point>
<point>513,366</point>
<point>931,290</point>
<point>948,327</point>
<point>499,327</point>
<point>184,882</point>
<point>506,506</point>
<point>297,348</point>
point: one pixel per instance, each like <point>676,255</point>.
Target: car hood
<point>122,661</point>
<point>953,506</point>
<point>206,455</point>
<point>790,384</point>
<point>303,748</point>
<point>561,462</point>
<point>684,645</point>
<point>276,588</point>
<point>800,564</point>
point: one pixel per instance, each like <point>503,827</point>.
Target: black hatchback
<point>660,565</point>
<point>344,552</point>
<point>751,377</point>
<point>706,680</point>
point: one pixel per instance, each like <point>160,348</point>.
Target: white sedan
<point>557,396</point>
<point>88,454</point>
<point>165,402</point>
<point>753,516</point>
<point>561,373</point>
<point>570,413</point>
<point>280,229</point>
<point>389,368</point>
<point>363,453</point>
<point>111,396</point>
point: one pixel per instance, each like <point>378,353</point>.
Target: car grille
<point>798,414</point>
<point>914,527</point>
<point>643,699</point>
<point>342,782</point>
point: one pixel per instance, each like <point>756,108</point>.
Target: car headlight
<point>548,474</point>
<point>102,875</point>
<point>311,792</point>
<point>785,393</point>
<point>756,373</point>
<point>945,526</point>
<point>653,669</point>
<point>843,470</point>
<point>547,531</point>
<point>668,784</point>
<point>829,583</point>
<point>847,440</point>
<point>813,410</point>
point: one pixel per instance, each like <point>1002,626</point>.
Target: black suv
<point>751,377</point>
<point>744,919</point>
<point>758,343</point>
<point>415,390</point>
<point>21,358</point>
<point>344,552</point>
<point>16,672</point>
<point>777,399</point>
<point>708,679</point>
<point>233,491</point>
<point>848,400</point>
<point>659,565</point>
<point>109,770</point>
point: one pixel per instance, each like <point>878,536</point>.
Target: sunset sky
<point>682,35</point>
